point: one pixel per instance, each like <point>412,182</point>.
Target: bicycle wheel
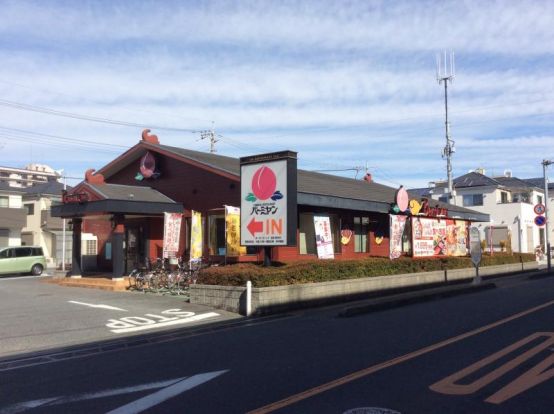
<point>139,282</point>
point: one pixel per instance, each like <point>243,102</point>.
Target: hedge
<point>327,270</point>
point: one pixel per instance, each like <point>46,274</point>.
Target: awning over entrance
<point>94,198</point>
<point>89,199</point>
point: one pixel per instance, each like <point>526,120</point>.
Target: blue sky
<point>345,84</point>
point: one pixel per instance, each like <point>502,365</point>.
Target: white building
<point>31,175</point>
<point>12,215</point>
<point>26,196</point>
<point>508,200</point>
<point>41,229</point>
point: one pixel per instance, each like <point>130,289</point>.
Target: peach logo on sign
<point>264,183</point>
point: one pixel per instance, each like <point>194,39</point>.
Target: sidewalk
<point>423,295</point>
<point>101,281</point>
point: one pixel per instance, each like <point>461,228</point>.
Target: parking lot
<point>38,315</point>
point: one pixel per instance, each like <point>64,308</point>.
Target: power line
<point>49,111</point>
<point>58,137</point>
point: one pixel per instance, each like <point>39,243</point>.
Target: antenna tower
<point>446,74</point>
<point>210,135</point>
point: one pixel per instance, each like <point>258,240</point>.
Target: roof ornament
<point>92,178</point>
<point>150,138</point>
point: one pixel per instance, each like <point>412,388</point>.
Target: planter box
<point>275,299</point>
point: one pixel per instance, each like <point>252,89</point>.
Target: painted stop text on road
<point>169,317</point>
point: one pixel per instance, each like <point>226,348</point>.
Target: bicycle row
<point>158,277</point>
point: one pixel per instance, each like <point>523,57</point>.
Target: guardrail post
<point>248,298</point>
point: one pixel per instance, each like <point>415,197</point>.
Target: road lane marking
<point>387,364</point>
<point>92,305</point>
<point>170,388</point>
<point>164,394</point>
<point>127,323</point>
<point>529,379</point>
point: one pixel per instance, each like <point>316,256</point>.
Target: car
<point>23,259</point>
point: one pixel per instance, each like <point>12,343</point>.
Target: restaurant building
<point>124,204</point>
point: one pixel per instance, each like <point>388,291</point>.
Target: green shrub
<point>328,270</point>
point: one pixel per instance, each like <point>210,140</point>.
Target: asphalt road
<point>36,316</point>
<point>486,352</point>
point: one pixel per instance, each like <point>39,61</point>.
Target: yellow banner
<point>232,222</point>
<point>196,236</point>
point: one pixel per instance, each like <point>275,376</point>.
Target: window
<point>90,247</point>
<point>217,235</point>
<point>307,239</point>
<point>503,197</point>
<point>521,198</point>
<point>443,199</point>
<point>23,252</point>
<point>37,251</point>
<point>4,237</point>
<point>30,209</point>
<point>306,242</point>
<point>539,199</point>
<point>473,200</point>
<point>6,253</point>
<point>4,201</point>
<point>361,229</point>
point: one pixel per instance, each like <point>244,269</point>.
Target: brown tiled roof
<point>310,182</point>
<point>129,193</point>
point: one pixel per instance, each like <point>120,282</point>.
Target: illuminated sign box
<point>268,209</point>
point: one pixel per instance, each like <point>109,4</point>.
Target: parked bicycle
<point>157,276</point>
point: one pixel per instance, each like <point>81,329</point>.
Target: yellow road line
<point>395,361</point>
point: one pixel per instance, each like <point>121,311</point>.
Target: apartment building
<point>26,197</point>
<point>12,215</point>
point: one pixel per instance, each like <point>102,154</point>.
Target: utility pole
<point>63,229</point>
<point>546,163</point>
<point>446,75</point>
<point>210,134</point>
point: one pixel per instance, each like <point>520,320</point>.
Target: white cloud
<point>348,82</point>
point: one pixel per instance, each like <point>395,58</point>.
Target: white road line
<point>158,397</point>
<point>17,408</point>
<point>91,305</point>
<point>167,323</point>
<point>5,278</point>
<point>170,388</point>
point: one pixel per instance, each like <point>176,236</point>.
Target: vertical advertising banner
<point>323,237</point>
<point>172,232</point>
<point>232,237</point>
<point>397,225</point>
<point>268,200</point>
<point>196,235</point>
<point>456,238</point>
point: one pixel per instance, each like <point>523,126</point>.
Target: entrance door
<point>134,248</point>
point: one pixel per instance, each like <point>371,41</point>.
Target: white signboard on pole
<point>268,200</point>
<point>323,237</point>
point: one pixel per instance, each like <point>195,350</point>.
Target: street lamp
<point>546,163</point>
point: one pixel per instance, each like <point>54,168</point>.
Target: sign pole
<point>475,251</point>
<point>545,163</point>
<point>267,256</point>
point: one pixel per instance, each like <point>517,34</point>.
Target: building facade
<point>508,200</point>
<point>12,215</point>
<point>123,205</point>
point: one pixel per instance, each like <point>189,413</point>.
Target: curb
<point>413,297</point>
